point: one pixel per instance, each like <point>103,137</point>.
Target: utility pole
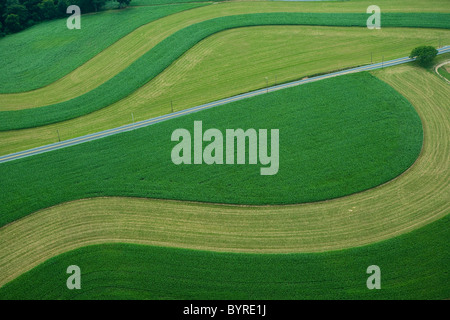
<point>132,116</point>
<point>171,105</point>
<point>59,139</point>
<point>267,85</point>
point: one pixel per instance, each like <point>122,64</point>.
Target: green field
<point>364,158</point>
<point>44,59</point>
<point>192,80</point>
<point>360,219</point>
<point>95,72</point>
<point>334,138</point>
<point>413,266</point>
<point>167,51</point>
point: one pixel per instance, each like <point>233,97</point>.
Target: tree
<point>16,15</point>
<point>98,4</point>
<point>2,12</point>
<point>62,8</point>
<point>123,3</point>
<point>48,9</point>
<point>19,10</point>
<point>424,55</point>
<point>34,11</point>
<point>12,23</point>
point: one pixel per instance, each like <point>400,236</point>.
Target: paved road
<point>148,122</point>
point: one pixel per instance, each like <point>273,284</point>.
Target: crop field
<point>202,80</point>
<point>167,51</point>
<point>267,276</point>
<point>362,160</point>
<point>380,136</point>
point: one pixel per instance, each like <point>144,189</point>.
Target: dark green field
<point>414,266</point>
<point>363,175</point>
<point>167,51</point>
<point>336,138</point>
<point>44,59</point>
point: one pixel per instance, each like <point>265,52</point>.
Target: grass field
<point>301,51</point>
<point>30,41</point>
<point>159,2</point>
<point>417,198</point>
<point>43,59</point>
<point>167,51</point>
<point>121,210</point>
<point>193,80</point>
<point>335,139</point>
<point>413,266</point>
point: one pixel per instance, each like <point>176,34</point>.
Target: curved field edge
<point>336,138</point>
<point>413,200</point>
<point>293,47</point>
<point>163,28</point>
<point>413,266</point>
<point>214,69</point>
<point>418,197</point>
<point>51,52</point>
<point>163,54</point>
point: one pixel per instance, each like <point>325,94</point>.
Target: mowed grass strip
<point>413,200</point>
<point>49,51</point>
<point>218,68</point>
<point>299,51</point>
<point>336,138</point>
<point>162,55</point>
<point>37,62</point>
<point>413,266</point>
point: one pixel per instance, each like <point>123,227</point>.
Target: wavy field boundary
<point>195,78</point>
<point>93,72</point>
<point>301,41</point>
<point>153,62</point>
<point>365,138</point>
<point>70,60</point>
<point>414,266</point>
<point>45,71</point>
<point>413,200</point>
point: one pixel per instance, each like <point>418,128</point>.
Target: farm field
<point>47,59</point>
<point>188,84</point>
<point>365,140</point>
<point>412,273</point>
<point>167,51</point>
<point>379,208</point>
<point>362,175</point>
<point>305,51</point>
<point>35,39</point>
